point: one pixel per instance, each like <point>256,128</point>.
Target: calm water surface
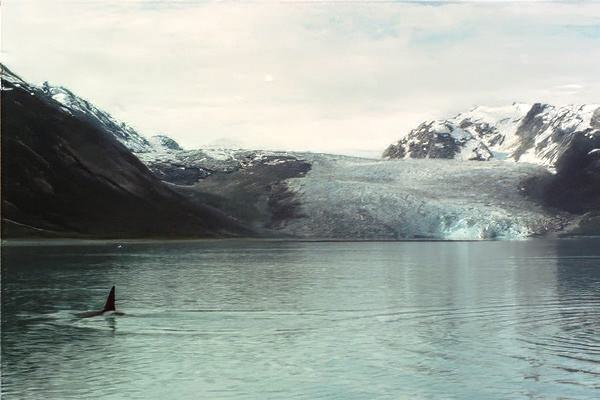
<point>279,320</point>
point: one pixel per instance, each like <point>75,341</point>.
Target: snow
<point>586,112</point>
<point>13,79</point>
<point>220,154</point>
<point>211,160</point>
<point>62,98</point>
<point>555,135</point>
<point>156,146</point>
<point>460,134</point>
<point>439,127</point>
<point>469,151</point>
<point>124,133</point>
<point>275,161</point>
<point>492,115</point>
<point>505,120</point>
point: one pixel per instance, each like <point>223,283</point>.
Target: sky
<point>347,77</point>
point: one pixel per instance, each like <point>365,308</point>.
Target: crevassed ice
<point>444,199</point>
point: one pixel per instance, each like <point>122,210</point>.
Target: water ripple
<point>305,321</point>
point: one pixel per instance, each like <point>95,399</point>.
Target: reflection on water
<point>227,319</point>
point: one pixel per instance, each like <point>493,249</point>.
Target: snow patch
<point>62,98</point>
<point>460,134</point>
<point>220,154</point>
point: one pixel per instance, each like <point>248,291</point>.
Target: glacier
<point>352,198</point>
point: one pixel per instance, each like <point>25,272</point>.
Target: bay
<point>227,319</point>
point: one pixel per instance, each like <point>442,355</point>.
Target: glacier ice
<point>351,198</point>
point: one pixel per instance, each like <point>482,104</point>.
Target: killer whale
<point>109,308</point>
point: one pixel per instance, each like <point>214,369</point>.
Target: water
<point>276,320</point>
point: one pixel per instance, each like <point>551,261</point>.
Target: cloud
<point>314,76</point>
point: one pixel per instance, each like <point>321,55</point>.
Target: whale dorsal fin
<point>110,301</point>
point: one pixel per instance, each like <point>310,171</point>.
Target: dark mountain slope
<point>65,177</point>
<point>576,185</point>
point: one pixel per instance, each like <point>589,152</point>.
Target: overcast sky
<point>325,76</point>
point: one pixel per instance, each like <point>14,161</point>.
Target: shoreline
<point>18,242</point>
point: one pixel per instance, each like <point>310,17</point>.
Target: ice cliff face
<point>538,134</point>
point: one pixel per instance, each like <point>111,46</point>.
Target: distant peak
<point>536,133</point>
<point>165,142</point>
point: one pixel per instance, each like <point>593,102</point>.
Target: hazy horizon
<point>322,76</point>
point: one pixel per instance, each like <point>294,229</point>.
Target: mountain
<point>248,184</point>
<point>71,169</point>
<point>328,196</point>
<point>539,134</point>
<point>320,196</point>
<point>67,173</point>
<point>245,185</point>
<point>123,132</point>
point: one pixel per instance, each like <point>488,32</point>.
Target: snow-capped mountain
<point>75,168</point>
<point>163,155</point>
<point>64,174</point>
<point>321,196</point>
<point>538,133</point>
<point>188,167</point>
<point>163,143</point>
<point>123,132</point>
<point>75,105</point>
